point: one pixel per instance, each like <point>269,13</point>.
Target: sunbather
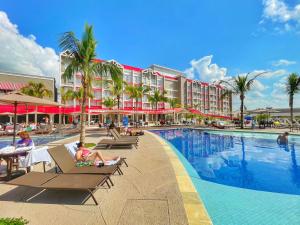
<point>135,132</point>
<point>83,154</point>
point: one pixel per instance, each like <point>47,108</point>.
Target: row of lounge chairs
<point>70,177</point>
<point>119,140</point>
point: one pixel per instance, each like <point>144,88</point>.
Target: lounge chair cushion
<point>33,179</point>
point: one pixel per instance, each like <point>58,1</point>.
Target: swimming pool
<point>243,178</point>
<point>38,140</point>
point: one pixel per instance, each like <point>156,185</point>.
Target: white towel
<point>112,162</point>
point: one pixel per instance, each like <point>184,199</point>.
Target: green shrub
<point>13,221</point>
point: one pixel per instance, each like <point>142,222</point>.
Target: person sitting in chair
<point>25,140</point>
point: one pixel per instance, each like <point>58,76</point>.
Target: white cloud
<point>22,54</point>
<point>266,92</point>
<point>258,86</point>
<point>280,12</point>
<point>277,10</point>
<point>279,88</point>
<point>203,69</point>
<point>270,73</point>
<point>283,62</point>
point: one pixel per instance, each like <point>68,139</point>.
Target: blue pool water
<point>243,178</point>
<point>38,140</point>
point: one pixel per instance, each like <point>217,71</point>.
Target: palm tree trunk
<point>173,116</point>
<point>83,115</point>
<point>292,110</point>
<point>118,99</point>
<point>242,111</point>
<point>136,105</point>
<point>156,108</point>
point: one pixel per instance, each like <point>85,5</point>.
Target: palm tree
<point>156,98</point>
<point>136,92</point>
<point>109,103</point>
<point>116,87</point>
<point>292,88</point>
<point>82,60</point>
<point>174,103</point>
<point>37,90</point>
<point>240,85</point>
<point>77,95</point>
<point>64,96</point>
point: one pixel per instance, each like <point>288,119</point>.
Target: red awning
<point>10,86</point>
<point>195,111</point>
<point>23,109</point>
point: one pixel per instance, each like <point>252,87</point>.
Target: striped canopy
<point>10,86</point>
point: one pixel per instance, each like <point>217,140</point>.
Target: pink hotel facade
<point>197,96</point>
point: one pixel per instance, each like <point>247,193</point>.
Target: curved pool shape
<point>243,178</point>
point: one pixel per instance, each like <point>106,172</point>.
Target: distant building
<point>15,81</point>
<point>276,112</point>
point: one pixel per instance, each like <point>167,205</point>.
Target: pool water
<point>243,178</point>
<point>38,140</point>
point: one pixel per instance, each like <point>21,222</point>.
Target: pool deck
<point>154,190</point>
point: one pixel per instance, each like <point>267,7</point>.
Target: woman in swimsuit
<point>83,154</point>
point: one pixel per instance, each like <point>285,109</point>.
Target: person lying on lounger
<point>134,132</point>
<point>83,154</point>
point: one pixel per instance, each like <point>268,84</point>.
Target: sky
<point>208,40</point>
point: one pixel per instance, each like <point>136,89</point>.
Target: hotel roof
<point>26,75</point>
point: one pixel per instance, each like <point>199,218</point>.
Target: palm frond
<point>73,68</point>
<point>69,43</point>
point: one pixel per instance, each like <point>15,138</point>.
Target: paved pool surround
<point>147,194</point>
<point>193,205</point>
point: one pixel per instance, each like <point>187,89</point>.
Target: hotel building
<point>197,96</point>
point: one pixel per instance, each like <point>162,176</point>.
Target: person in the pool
<point>282,139</point>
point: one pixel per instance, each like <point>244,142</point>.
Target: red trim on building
<point>132,68</point>
<point>170,78</point>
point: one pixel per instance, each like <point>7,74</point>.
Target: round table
<point>12,159</point>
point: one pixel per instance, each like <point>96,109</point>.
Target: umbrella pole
<point>15,123</point>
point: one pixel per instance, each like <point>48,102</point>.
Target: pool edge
<point>194,207</point>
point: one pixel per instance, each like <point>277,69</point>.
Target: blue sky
<point>208,39</point>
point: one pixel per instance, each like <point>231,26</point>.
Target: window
<point>137,79</point>
<point>106,94</point>
<point>128,78</point>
